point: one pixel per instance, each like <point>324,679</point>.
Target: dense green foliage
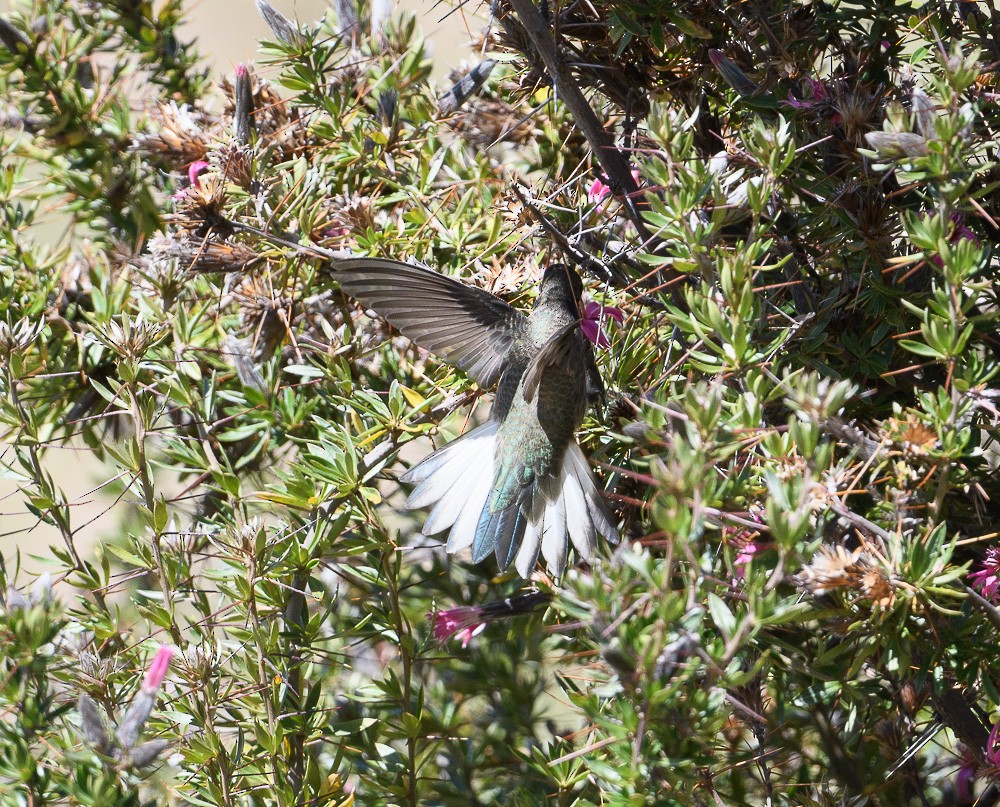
<point>799,439</point>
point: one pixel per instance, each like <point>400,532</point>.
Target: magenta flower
<point>195,170</point>
<point>992,754</point>
<point>961,232</point>
<point>820,97</point>
<point>158,669</point>
<point>592,324</point>
<point>743,558</point>
<point>987,580</point>
<point>466,621</point>
<point>461,621</point>
<point>598,191</point>
<point>963,781</point>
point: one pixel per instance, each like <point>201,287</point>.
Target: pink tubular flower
<point>987,580</point>
<point>992,753</point>
<point>462,621</point>
<point>598,191</point>
<point>158,669</point>
<point>466,621</point>
<point>592,324</point>
<point>195,170</point>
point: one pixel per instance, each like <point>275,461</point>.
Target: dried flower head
<point>201,208</point>
<point>235,163</point>
<point>18,337</point>
<point>266,315</point>
<point>914,437</point>
<point>132,338</point>
<point>202,254</point>
<point>835,568</point>
<point>351,215</point>
<point>484,121</point>
<point>181,135</point>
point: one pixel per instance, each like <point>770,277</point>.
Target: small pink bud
<point>598,191</point>
<point>158,669</point>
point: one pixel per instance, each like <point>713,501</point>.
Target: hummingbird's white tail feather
<point>455,479</point>
<point>597,508</point>
<point>578,518</point>
<point>463,532</point>
<point>554,545</point>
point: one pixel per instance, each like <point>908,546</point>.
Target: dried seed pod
<point>242,106</point>
<point>181,136</point>
<point>284,30</point>
<point>467,86</point>
<point>924,112</point>
<point>898,144</point>
<point>135,718</point>
<point>732,74</point>
<point>148,752</point>
<point>92,723</point>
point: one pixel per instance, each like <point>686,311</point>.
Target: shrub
<point>794,206</point>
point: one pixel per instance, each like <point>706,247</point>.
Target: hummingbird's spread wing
<point>460,324</point>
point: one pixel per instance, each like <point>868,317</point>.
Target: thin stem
<point>262,677</point>
<point>56,512</point>
<point>149,499</point>
<point>390,572</point>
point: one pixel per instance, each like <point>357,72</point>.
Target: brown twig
<point>611,159</point>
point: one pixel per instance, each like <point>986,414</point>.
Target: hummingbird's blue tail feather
<point>511,529</point>
<point>485,542</point>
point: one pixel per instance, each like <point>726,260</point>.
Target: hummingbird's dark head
<point>561,284</point>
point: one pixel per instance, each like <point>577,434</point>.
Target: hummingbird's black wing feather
<point>460,324</point>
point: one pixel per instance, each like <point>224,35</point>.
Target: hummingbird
<point>518,486</point>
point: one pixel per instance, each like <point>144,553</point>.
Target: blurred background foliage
<point>799,438</point>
